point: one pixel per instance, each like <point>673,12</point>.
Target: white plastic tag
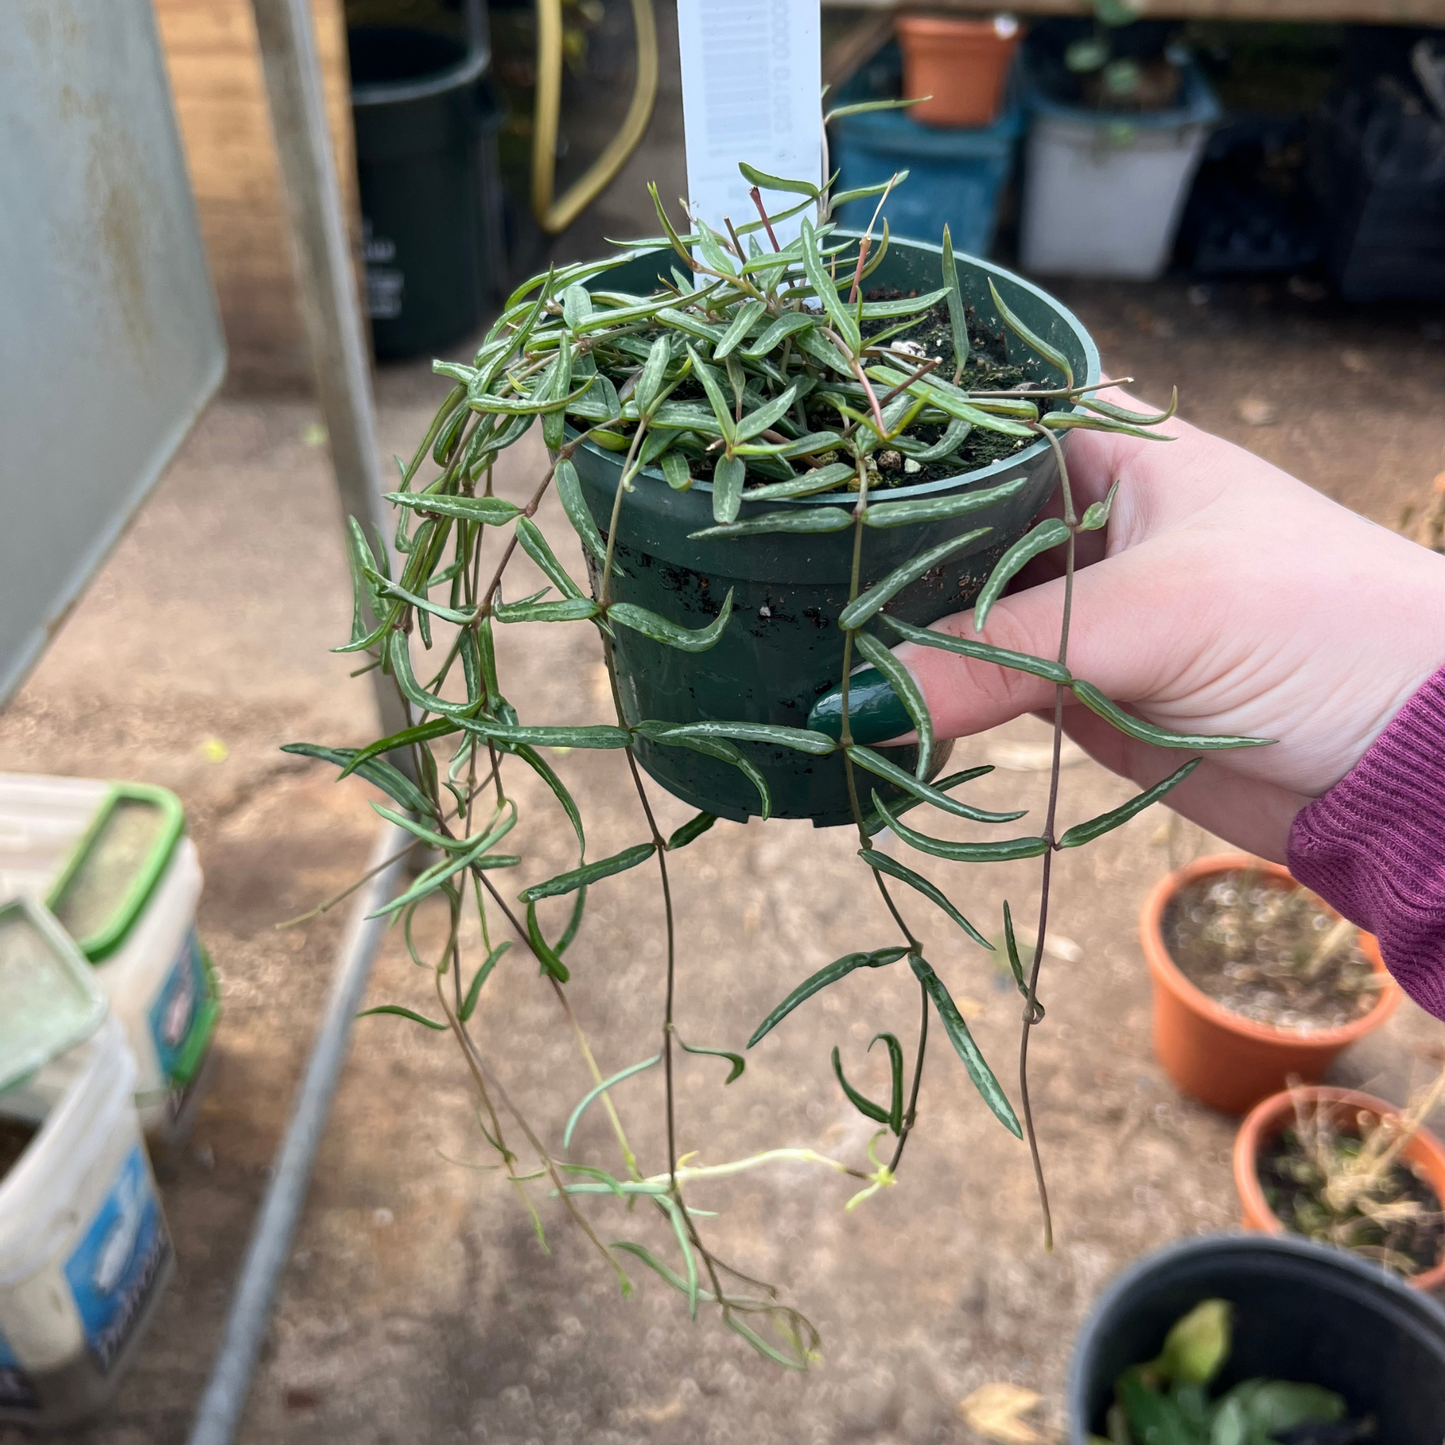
<point>751,83</point>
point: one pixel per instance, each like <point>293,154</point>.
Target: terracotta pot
<point>1424,1154</point>
<point>1215,1056</point>
<point>962,64</point>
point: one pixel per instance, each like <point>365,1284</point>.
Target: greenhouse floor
<point>418,1306</point>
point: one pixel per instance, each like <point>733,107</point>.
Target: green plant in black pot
<point>778,458</point>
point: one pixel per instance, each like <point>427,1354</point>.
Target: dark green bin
<point>426,158</point>
<point>783,647</point>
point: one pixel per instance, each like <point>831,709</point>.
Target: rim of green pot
<point>1093,374</point>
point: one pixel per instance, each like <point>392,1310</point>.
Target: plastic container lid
<point>115,866</point>
<point>49,999</point>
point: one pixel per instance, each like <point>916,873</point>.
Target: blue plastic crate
<point>954,176</point>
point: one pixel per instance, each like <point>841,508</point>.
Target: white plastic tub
<point>138,931</point>
<point>1103,193</point>
<point>84,1250</point>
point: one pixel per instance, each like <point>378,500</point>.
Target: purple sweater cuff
<point>1374,846</point>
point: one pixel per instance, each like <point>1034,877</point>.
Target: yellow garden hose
<point>554,216</point>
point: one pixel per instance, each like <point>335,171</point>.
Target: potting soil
<point>1293,1184</point>
<point>1254,948</point>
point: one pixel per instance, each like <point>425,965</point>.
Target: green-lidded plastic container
<point>49,997</point>
<point>115,867</point>
<point>783,647</point>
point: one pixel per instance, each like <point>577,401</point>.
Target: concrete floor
<point>418,1306</point>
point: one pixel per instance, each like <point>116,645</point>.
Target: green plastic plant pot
<point>783,648</point>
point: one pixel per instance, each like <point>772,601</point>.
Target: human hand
<point>1223,597</point>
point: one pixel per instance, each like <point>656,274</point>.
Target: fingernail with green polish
<point>875,712</point>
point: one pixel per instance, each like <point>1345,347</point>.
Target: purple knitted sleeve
<point>1374,845</point>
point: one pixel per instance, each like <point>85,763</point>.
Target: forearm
<point>1374,845</point>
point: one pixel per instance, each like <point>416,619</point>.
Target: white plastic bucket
<point>1103,194</point>
<point>157,976</point>
<point>84,1249</point>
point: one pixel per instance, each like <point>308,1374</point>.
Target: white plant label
<point>751,83</point>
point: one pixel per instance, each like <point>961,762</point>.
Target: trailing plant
<point>766,366</point>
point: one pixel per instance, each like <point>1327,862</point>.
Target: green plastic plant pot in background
<point>426,157</point>
<point>783,647</point>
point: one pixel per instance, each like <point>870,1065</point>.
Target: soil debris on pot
<point>1275,955</point>
<point>1319,1186</point>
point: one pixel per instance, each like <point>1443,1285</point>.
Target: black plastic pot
<point>1303,1312</point>
<point>783,647</point>
<point>429,186</point>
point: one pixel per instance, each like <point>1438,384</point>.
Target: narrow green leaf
<point>736,1060</point>
<point>728,477</point>
<point>535,545</point>
<point>469,1003</point>
<point>805,484</point>
<point>839,968</point>
<point>405,1013</point>
<point>932,892</point>
<point>721,408</point>
<point>1076,421</point>
<point>1095,701</point>
<point>424,733</point>
<point>422,604</point>
<point>826,291</point>
<point>754,423</point>
<point>656,1265</point>
<point>1082,833</point>
<point>862,1103</point>
<point>1096,514</point>
<point>568,609</point>
<point>895,1064</point>
<point>1046,534</point>
<point>671,634</point>
<point>877,763</point>
<point>903,306</point>
<point>381,774</point>
<point>574,923</point>
<point>754,177</point>
<point>588,873</point>
<point>713,748</point>
<point>938,509</point>
<point>954,436</point>
<point>689,1260</point>
<point>863,106</point>
<point>810,519</point>
<point>905,685</point>
<point>957,318</point>
<point>544,771</point>
<point>1003,852</point>
<point>778,332</point>
<point>747,316</point>
<point>1138,418</point>
<point>1016,964</point>
<point>694,828</point>
<point>962,1041</point>
<point>771,1352</point>
<point>980,651</point>
<point>857,612</point>
<point>675,470</point>
<point>493,511</point>
<point>569,493</point>
<point>600,735</point>
<point>803,739</point>
<point>549,959</point>
<point>600,1089</point>
<point>714,253</point>
<point>874,823</point>
<point>1032,340</point>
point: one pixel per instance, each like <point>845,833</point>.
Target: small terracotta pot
<point>1215,1056</point>
<point>1424,1154</point>
<point>962,64</point>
